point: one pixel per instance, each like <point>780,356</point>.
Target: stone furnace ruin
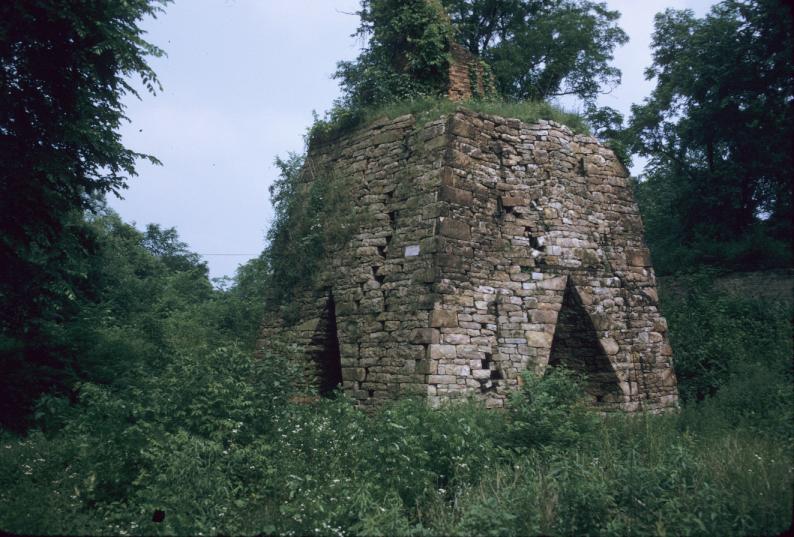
<point>479,247</point>
<point>482,247</point>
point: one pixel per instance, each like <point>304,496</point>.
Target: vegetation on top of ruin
<point>340,121</point>
<point>304,228</point>
<point>536,50</point>
<point>533,52</point>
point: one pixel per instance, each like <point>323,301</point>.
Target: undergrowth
<point>208,442</point>
<point>230,461</point>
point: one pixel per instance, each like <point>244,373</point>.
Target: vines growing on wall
<point>312,218</point>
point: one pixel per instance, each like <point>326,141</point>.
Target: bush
<point>733,354</point>
<point>548,410</point>
<point>192,427</point>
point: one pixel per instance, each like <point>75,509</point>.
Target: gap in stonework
<point>575,346</point>
<point>330,358</point>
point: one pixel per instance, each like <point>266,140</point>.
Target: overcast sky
<point>239,85</point>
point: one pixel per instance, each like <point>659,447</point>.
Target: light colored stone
<point>610,346</point>
<point>539,339</point>
<point>412,250</point>
<point>440,352</point>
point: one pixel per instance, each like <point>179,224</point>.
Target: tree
<point>718,129</point>
<point>405,56</point>
<point>64,69</point>
<point>540,49</point>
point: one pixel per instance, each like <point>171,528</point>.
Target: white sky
<point>239,85</point>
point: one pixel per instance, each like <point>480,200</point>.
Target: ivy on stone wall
<point>312,218</point>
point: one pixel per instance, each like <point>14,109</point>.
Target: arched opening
<point>329,359</point>
<point>575,346</point>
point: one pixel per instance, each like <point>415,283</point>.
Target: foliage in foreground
<point>149,298</point>
<point>213,442</point>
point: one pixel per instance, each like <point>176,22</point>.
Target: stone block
<point>639,259</point>
<point>425,336</point>
<point>354,373</point>
<point>449,261</point>
<point>461,370</point>
<point>457,159</point>
<point>650,292</point>
<point>448,176</point>
<point>481,374</point>
<point>442,352</point>
<point>556,284</point>
<point>426,367</point>
<point>455,229</point>
<point>443,318</point>
<point>600,321</point>
<point>461,127</point>
<point>454,195</point>
<point>610,346</point>
<point>543,316</point>
<point>387,137</point>
<point>539,339</point>
<point>441,379</point>
<point>513,201</point>
<point>456,339</point>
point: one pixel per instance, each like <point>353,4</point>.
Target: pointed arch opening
<point>328,357</point>
<point>575,346</point>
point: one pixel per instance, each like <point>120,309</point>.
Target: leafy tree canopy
<point>64,68</point>
<point>405,56</point>
<point>537,49</point>
<point>718,130</point>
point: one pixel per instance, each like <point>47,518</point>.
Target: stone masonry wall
<point>487,246</point>
<point>382,280</point>
<point>467,71</point>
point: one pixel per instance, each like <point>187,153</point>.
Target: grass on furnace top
<point>340,121</point>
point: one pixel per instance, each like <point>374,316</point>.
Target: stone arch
<point>576,346</point>
<point>327,355</point>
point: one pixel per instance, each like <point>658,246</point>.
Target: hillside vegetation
<point>172,416</point>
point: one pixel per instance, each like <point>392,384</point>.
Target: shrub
<point>548,410</point>
<point>733,354</point>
